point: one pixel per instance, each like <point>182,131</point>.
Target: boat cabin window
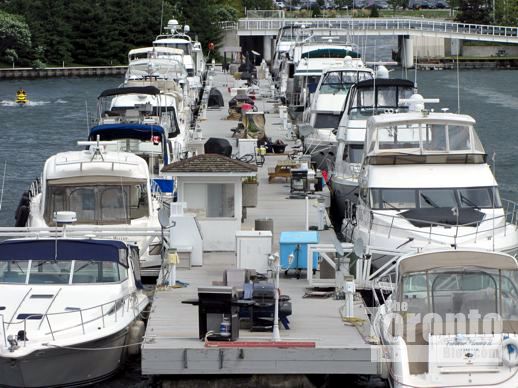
<point>186,47</point>
<point>421,139</point>
<point>354,153</point>
<point>327,120</point>
<point>461,291</point>
<point>98,272</point>
<point>98,204</point>
<point>61,272</point>
<point>366,102</point>
<point>339,82</point>
<point>403,199</point>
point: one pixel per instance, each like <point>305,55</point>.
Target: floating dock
<point>318,340</point>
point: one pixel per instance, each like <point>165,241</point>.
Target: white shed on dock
<point>210,184</point>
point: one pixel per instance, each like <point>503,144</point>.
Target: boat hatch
<point>29,316</point>
<point>42,296</point>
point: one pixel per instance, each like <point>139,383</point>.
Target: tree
<point>15,36</point>
<point>474,11</point>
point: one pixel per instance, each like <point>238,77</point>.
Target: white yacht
<point>365,99</point>
<point>327,105</point>
<point>425,183</point>
<point>105,189</point>
<point>311,57</point>
<point>193,58</point>
<point>142,120</point>
<point>452,320</point>
<point>73,312</point>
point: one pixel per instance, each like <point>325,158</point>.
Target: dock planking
<point>171,344</point>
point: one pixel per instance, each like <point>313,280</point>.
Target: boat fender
<point>510,352</point>
<point>21,216</point>
<point>136,334</point>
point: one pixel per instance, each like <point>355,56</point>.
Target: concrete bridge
<point>405,28</point>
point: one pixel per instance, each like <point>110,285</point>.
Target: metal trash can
<point>264,224</point>
<point>215,306</point>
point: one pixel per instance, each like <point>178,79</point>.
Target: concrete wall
<point>489,51</point>
<point>230,39</point>
<point>428,47</point>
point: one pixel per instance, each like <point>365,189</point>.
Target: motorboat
<point>21,97</point>
<point>286,38</point>
<point>142,120</point>
<point>193,58</point>
<point>327,105</point>
<point>73,313</point>
<point>163,68</point>
<point>107,189</point>
<point>365,99</point>
<point>425,183</point>
<point>452,320</point>
<point>310,58</point>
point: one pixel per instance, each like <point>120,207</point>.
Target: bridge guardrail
<point>381,24</point>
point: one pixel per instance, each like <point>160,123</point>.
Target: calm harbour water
<point>56,119</point>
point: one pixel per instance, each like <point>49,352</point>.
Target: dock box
<point>296,243</point>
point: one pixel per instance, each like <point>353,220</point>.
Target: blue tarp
<point>126,131</point>
<point>166,185</point>
<point>67,249</point>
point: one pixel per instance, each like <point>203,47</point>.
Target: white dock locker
<point>253,248</point>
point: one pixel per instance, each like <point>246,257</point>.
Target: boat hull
<point>342,192</point>
<point>58,367</point>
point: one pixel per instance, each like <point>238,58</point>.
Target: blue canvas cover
<point>142,132</point>
<point>67,249</point>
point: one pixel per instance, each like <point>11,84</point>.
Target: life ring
<point>506,354</point>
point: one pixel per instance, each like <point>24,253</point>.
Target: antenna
<point>458,83</point>
<point>161,18</point>
<point>87,118</point>
<point>3,185</point>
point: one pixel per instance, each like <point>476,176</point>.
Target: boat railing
<point>294,98</point>
<point>105,314</point>
<point>429,231</point>
<point>35,188</point>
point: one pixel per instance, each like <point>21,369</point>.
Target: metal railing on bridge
<point>383,25</point>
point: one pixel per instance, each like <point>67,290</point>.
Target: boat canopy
<point>142,132</point>
<point>152,90</point>
<point>380,82</point>
<point>456,258</point>
<point>64,249</point>
<point>330,53</point>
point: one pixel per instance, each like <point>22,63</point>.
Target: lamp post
<point>276,266</point>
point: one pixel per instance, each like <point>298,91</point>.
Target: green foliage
<point>15,37</point>
<point>474,11</point>
<point>374,12</point>
<point>101,32</point>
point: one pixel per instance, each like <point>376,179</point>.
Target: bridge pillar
<point>406,51</point>
<point>456,47</point>
<point>267,48</point>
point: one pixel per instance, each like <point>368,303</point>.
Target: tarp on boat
<point>142,132</point>
<point>152,90</point>
<point>64,249</point>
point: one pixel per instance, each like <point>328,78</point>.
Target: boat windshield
<point>367,103</point>
<point>462,198</point>
<point>339,82</point>
<point>61,272</point>
<point>425,138</point>
<point>103,203</point>
<point>185,46</point>
<point>444,292</point>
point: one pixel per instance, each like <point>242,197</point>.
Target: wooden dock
<point>318,340</point>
